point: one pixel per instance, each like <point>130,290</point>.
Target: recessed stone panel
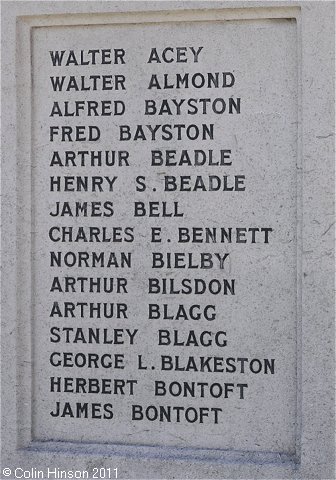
<point>164,220</point>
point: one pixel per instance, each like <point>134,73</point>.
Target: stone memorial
<point>168,240</point>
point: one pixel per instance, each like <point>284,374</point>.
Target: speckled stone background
<point>281,54</point>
